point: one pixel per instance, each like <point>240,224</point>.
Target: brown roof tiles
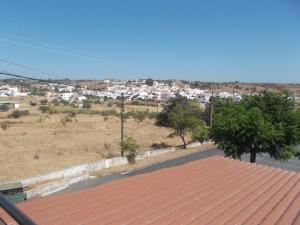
<point>212,191</point>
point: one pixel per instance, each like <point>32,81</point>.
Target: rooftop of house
<point>213,190</point>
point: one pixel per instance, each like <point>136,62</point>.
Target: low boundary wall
<point>61,179</point>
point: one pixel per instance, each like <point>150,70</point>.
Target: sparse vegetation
<point>86,104</point>
<point>4,108</point>
<point>18,113</point>
<point>5,125</point>
<point>130,148</point>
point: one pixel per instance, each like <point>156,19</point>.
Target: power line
<point>26,67</point>
<point>25,77</point>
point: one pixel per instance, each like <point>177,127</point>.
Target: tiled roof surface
<point>213,191</point>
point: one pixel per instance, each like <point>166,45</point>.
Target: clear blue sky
<point>212,40</point>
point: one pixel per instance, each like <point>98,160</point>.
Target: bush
<point>109,112</point>
<point>86,104</point>
<point>5,125</point>
<point>18,113</point>
<point>4,108</point>
<point>44,102</point>
<point>66,119</point>
<point>55,102</point>
<point>33,103</point>
<point>130,148</point>
<point>44,108</point>
<point>140,116</point>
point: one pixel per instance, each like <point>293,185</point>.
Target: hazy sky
<point>212,40</point>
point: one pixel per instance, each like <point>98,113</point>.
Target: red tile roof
<point>213,191</point>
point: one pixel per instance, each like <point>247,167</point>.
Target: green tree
<point>150,82</point>
<point>181,114</point>
<point>130,148</point>
<point>201,132</point>
<point>263,123</point>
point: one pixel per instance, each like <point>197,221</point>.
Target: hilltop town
<point>140,89</point>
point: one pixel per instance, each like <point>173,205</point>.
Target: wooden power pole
<point>122,121</point>
<point>211,107</point>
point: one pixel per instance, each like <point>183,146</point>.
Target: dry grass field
<point>40,143</point>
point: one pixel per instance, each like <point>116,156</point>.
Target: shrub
<point>55,102</point>
<point>18,113</point>
<point>140,116</point>
<point>130,148</point>
<point>36,156</point>
<point>33,103</point>
<point>5,125</point>
<point>109,112</point>
<point>64,102</point>
<point>86,104</point>
<point>135,102</point>
<point>66,119</point>
<point>4,108</point>
<point>44,108</point>
<point>44,102</point>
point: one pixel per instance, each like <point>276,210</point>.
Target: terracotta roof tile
<point>213,191</point>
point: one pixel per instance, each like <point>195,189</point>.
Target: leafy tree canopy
<point>150,82</point>
<point>183,115</point>
<point>263,123</point>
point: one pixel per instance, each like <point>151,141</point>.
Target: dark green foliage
<point>44,108</point>
<point>181,114</point>
<point>64,102</point>
<point>267,122</point>
<point>150,82</point>
<point>200,132</point>
<point>130,148</point>
<point>18,113</point>
<point>55,102</point>
<point>86,104</point>
<point>38,91</point>
<point>4,108</point>
<point>140,115</point>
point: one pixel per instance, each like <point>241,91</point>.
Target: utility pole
<point>294,96</point>
<point>211,107</point>
<point>122,122</point>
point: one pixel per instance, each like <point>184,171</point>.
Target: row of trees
<point>264,123</point>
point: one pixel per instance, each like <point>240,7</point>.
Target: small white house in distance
<point>81,98</point>
<point>66,96</point>
<point>224,95</point>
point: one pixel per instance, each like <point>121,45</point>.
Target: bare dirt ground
<point>40,143</point>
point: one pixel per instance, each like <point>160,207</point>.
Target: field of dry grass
<point>41,143</point>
